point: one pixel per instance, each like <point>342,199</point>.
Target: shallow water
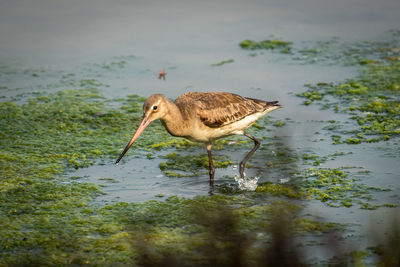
<point>48,32</point>
<point>124,44</point>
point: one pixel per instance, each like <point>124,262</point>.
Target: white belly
<point>205,134</point>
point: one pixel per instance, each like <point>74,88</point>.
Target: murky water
<point>74,40</point>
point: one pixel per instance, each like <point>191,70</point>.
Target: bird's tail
<point>273,104</point>
<point>270,106</point>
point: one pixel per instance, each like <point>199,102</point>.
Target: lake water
<point>87,37</point>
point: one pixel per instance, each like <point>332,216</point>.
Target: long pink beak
<point>142,126</point>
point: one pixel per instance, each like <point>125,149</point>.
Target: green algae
<point>40,140</point>
<point>35,209</point>
<point>282,46</point>
<point>332,52</point>
<point>370,99</point>
<point>70,126</point>
<point>352,258</point>
<point>118,63</point>
<point>279,123</point>
<point>109,180</point>
<point>191,165</point>
<point>50,220</point>
<point>336,187</point>
<point>279,189</point>
<point>306,225</point>
<point>336,51</point>
<point>223,62</point>
<point>311,95</point>
<point>316,160</point>
<point>92,83</point>
<point>216,229</point>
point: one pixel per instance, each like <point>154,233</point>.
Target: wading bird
<point>204,117</point>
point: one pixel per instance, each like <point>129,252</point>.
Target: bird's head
<point>154,108</point>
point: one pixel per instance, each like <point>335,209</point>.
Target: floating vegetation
<point>371,100</point>
<point>282,46</point>
<point>223,62</point>
<point>336,51</point>
<point>191,165</point>
<point>117,62</point>
<point>50,220</point>
<point>39,140</point>
<point>48,216</point>
<point>279,190</point>
<point>335,187</point>
<point>332,52</point>
<point>316,160</point>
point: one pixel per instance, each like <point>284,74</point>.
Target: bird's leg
<point>210,164</point>
<point>243,162</point>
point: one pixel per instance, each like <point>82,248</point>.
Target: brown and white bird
<point>204,117</point>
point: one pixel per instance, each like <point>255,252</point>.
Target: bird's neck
<point>174,121</point>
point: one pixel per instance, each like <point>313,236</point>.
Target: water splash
<point>284,180</point>
<point>246,184</point>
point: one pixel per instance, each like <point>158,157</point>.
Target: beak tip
<point>143,125</point>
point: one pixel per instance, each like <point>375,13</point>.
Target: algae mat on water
<point>371,100</point>
<point>48,219</point>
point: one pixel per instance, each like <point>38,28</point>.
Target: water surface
<point>123,44</point>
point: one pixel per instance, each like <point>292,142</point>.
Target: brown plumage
<point>204,117</point>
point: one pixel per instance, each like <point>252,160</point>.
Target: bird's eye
<point>155,107</point>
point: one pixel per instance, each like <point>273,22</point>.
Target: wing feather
<point>220,109</point>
